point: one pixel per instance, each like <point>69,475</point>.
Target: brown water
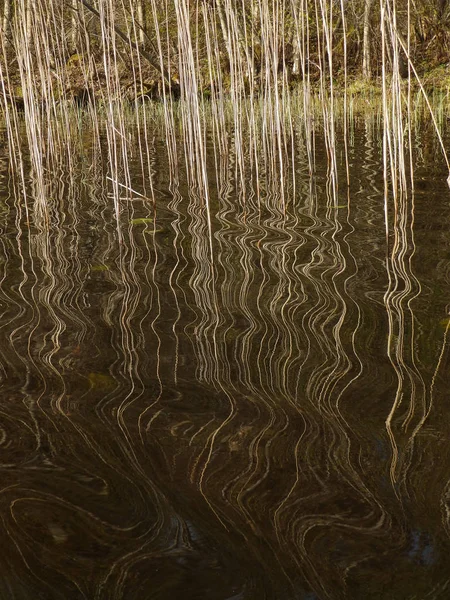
<point>269,423</point>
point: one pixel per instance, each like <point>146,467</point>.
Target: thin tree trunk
<point>141,21</point>
<point>30,9</point>
<point>366,39</point>
<point>6,21</point>
<point>75,25</point>
<point>223,25</point>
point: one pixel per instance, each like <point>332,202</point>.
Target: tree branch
<point>148,57</point>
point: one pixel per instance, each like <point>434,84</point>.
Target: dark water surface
<point>269,423</point>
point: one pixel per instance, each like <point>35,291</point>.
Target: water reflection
<point>238,398</point>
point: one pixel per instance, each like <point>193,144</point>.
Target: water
<point>255,409</point>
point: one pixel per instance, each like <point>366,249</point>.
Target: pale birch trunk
<point>141,21</point>
<point>29,18</point>
<point>366,38</point>
<point>6,21</point>
<point>75,33</point>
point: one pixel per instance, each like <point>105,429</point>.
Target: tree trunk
<point>75,26</point>
<point>141,21</point>
<point>6,22</point>
<point>29,19</point>
<point>366,39</point>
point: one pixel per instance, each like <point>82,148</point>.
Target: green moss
<point>438,79</point>
<point>101,381</point>
<point>142,221</point>
<point>75,59</point>
<point>99,268</point>
<point>363,87</point>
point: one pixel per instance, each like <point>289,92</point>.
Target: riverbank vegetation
<point>251,67</point>
<point>81,50</point>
